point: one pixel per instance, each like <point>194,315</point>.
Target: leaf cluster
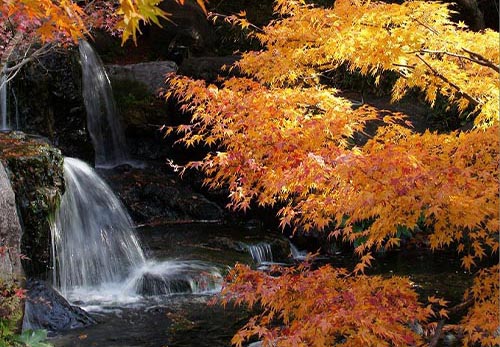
<point>280,138</point>
<point>325,307</point>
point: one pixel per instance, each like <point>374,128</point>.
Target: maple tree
<point>30,29</point>
<point>283,138</point>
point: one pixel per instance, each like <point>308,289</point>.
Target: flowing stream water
<point>98,259</point>
<point>261,253</point>
<point>103,121</point>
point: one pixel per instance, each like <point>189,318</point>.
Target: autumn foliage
<point>326,306</point>
<point>30,29</point>
<point>283,138</point>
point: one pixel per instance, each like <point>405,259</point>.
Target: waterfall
<point>103,122</point>
<point>97,257</point>
<point>261,253</point>
<point>3,102</point>
<point>296,254</point>
<point>93,238</point>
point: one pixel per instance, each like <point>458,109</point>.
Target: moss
<point>36,172</point>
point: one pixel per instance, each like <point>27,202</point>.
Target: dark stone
<point>47,309</point>
<point>152,284</point>
<point>208,68</point>
<point>154,195</point>
<point>226,243</point>
<point>150,74</point>
<point>36,172</point>
<point>50,103</point>
<point>280,248</point>
<point>187,32</point>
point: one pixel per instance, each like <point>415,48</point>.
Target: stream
<point>183,318</point>
<point>186,319</point>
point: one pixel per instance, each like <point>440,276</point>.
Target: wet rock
<point>10,231</point>
<point>154,195</point>
<point>226,243</point>
<point>50,103</point>
<point>36,172</point>
<point>47,309</point>
<point>152,284</point>
<point>10,251</point>
<point>150,74</point>
<point>281,249</point>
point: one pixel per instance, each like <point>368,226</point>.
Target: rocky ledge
<point>35,170</point>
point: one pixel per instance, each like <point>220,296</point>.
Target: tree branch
<point>437,333</point>
<point>474,57</point>
<point>483,60</point>
<point>446,80</point>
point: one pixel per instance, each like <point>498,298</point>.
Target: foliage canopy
<point>281,137</point>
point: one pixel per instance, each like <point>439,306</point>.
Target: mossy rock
<point>35,169</point>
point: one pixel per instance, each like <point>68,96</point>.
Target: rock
<point>35,170</point>
<point>47,309</point>
<point>208,68</point>
<point>50,103</point>
<point>10,231</point>
<point>280,248</point>
<point>11,272</point>
<point>151,74</point>
<point>154,284</point>
<point>226,243</point>
<point>153,195</point>
<point>187,32</point>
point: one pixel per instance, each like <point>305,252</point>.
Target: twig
<point>432,30</point>
<point>484,61</point>
<point>474,57</point>
<point>446,80</point>
<point>437,333</point>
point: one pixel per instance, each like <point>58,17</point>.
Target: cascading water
<point>296,254</point>
<point>261,253</point>
<point>93,235</point>
<point>103,122</point>
<point>98,258</point>
<point>3,102</point>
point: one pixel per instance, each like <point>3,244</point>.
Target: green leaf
<point>33,338</point>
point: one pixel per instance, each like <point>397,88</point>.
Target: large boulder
<point>35,170</point>
<point>50,103</point>
<point>10,231</point>
<point>155,195</point>
<point>150,74</point>
<point>47,309</point>
<point>209,68</point>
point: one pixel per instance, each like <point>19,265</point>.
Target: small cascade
<point>16,109</point>
<point>296,254</point>
<point>103,122</point>
<point>261,253</point>
<point>93,236</point>
<point>8,106</point>
<point>3,103</point>
<point>97,257</point>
